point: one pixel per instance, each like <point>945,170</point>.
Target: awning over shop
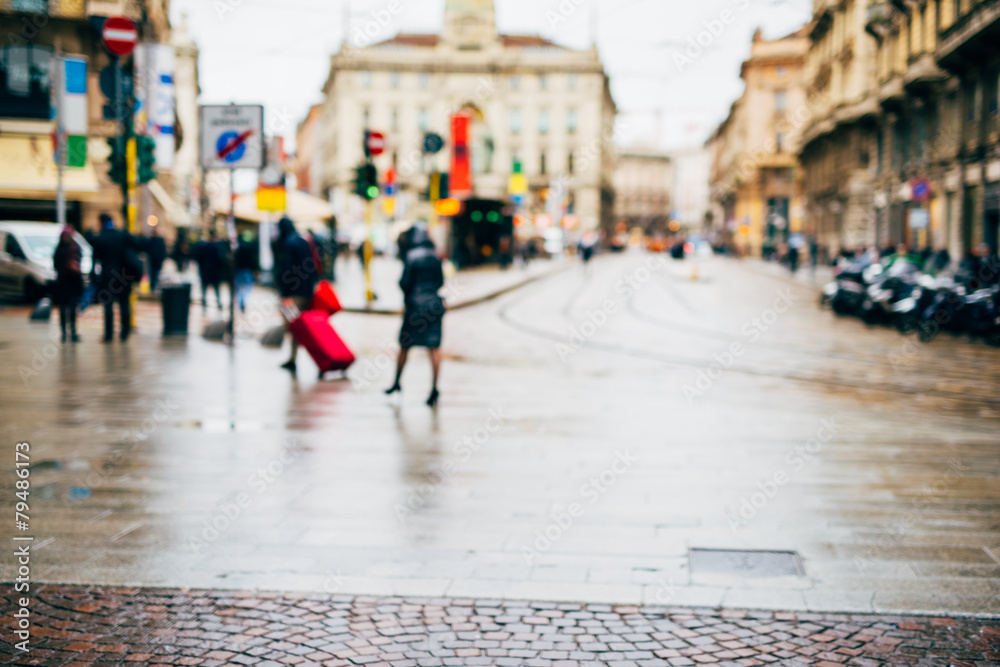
<point>307,211</point>
<point>28,170</point>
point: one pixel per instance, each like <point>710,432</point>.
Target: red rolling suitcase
<point>326,299</point>
<point>313,331</point>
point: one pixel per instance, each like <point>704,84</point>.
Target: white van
<point>26,250</point>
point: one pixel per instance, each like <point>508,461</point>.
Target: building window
<point>422,120</point>
<point>571,81</point>
<point>780,70</point>
<point>515,121</point>
<point>571,121</point>
<point>542,166</point>
<point>366,114</point>
<point>570,163</point>
<point>25,82</point>
<point>779,142</point>
<point>395,119</point>
<point>394,79</point>
<point>780,101</point>
<point>424,80</point>
<point>543,121</point>
<point>543,82</point>
<point>366,79</point>
<point>515,82</point>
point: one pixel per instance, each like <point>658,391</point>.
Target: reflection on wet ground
<point>593,428</point>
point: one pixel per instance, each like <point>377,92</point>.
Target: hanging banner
<point>154,99</point>
<point>460,182</point>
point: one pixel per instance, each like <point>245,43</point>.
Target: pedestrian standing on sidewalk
<point>208,256</point>
<point>246,265</point>
<point>296,274</point>
<point>68,287</point>
<point>115,252</point>
<point>156,252</point>
<point>423,277</point>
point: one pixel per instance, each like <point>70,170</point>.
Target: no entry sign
<point>374,143</point>
<point>119,35</point>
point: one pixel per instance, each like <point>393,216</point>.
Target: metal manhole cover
<point>747,563</point>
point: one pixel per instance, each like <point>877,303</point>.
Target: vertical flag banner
<point>73,124</point>
<point>461,170</point>
<point>154,96</point>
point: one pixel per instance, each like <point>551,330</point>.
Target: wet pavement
<point>596,431</point>
<point>80,626</point>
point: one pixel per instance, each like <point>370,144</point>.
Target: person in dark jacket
<point>156,252</point>
<point>115,252</point>
<point>423,276</point>
<point>68,287</point>
<point>295,273</point>
<point>208,256</point>
<point>181,253</point>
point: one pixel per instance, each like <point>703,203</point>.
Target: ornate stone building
<point>756,180</point>
<point>643,181</point>
<point>533,103</point>
<point>904,148</point>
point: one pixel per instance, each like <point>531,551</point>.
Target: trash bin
<point>176,300</point>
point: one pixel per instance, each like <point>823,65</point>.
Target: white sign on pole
<point>232,136</point>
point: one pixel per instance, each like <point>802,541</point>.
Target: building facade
<point>643,181</point>
<point>905,149</point>
<point>33,30</point>
<point>755,178</point>
<point>533,103</point>
<point>837,144</point>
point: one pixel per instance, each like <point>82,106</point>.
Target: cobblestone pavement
<point>117,626</point>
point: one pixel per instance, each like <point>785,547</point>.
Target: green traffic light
<point>372,191</point>
<point>477,216</point>
<point>493,216</point>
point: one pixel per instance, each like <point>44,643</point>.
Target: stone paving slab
<point>130,626</point>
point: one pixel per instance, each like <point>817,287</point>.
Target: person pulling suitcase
<point>296,274</point>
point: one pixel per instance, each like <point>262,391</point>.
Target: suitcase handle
<point>288,310</point>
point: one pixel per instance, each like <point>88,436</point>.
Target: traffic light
<point>116,161</point>
<point>366,182</point>
<point>146,153</point>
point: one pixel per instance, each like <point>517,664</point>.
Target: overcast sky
<point>276,52</point>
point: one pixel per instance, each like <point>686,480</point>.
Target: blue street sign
<point>224,140</point>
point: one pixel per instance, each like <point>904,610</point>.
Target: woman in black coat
<point>423,276</point>
<point>68,287</point>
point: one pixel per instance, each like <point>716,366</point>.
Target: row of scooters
<point>898,293</point>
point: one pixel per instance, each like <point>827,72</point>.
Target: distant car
<point>26,250</point>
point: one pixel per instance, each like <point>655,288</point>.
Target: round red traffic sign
<point>374,143</point>
<point>119,35</point>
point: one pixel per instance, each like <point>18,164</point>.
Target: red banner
<point>461,166</point>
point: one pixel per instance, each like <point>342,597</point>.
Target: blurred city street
<point>186,463</point>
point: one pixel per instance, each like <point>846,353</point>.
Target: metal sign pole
<point>60,147</point>
<point>231,233</point>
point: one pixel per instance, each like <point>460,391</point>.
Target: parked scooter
<point>847,292</point>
